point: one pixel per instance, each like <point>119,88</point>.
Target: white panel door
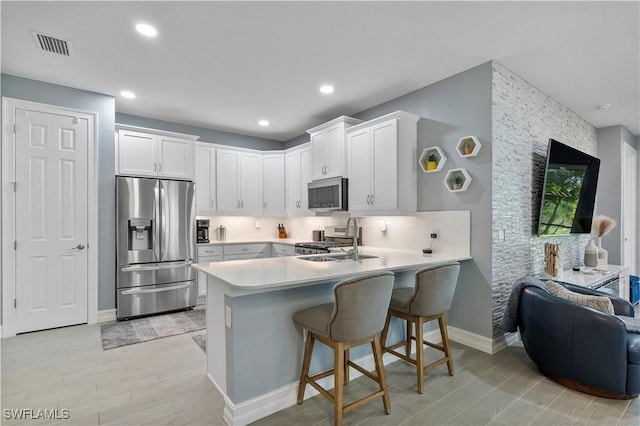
<point>251,183</point>
<point>292,175</point>
<point>335,152</point>
<point>175,157</point>
<point>319,154</point>
<point>205,179</point>
<point>227,184</point>
<point>137,154</point>
<point>629,226</point>
<point>51,224</point>
<point>360,169</point>
<point>306,162</point>
<point>384,140</point>
<point>273,184</point>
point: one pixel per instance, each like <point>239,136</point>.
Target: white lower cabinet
<point>382,164</point>
<point>246,251</point>
<point>282,250</point>
<point>208,253</point>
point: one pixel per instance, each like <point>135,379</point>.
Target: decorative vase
<point>603,255</point>
<point>591,255</point>
<point>468,150</point>
<point>432,165</point>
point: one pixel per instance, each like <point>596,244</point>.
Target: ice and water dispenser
<point>140,234</point>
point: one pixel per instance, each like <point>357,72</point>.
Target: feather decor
<point>602,225</point>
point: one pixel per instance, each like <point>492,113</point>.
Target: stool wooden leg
<point>385,330</point>
<point>408,345</point>
<point>420,354</point>
<point>338,355</point>
<point>382,378</point>
<point>306,362</point>
<point>445,342</point>
<point>346,366</point>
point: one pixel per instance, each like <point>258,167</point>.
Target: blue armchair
<point>580,347</point>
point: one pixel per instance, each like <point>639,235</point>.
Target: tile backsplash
<point>402,232</point>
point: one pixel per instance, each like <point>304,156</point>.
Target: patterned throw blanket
<point>632,324</point>
<point>510,316</point>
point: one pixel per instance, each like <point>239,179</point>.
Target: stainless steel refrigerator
<point>155,246</point>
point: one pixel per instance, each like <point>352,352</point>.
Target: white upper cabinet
<point>274,185</point>
<point>382,162</point>
<point>205,179</point>
<point>328,148</point>
<point>162,154</point>
<point>239,182</point>
<point>298,164</point>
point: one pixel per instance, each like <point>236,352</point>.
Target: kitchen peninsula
<point>254,350</point>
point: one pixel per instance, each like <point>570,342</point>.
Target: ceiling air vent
<point>52,44</point>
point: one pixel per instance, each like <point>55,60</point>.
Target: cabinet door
<point>175,157</point>
<point>136,154</point>
<point>335,152</point>
<point>251,183</point>
<point>292,176</point>
<point>273,184</point>
<point>205,179</point>
<point>384,140</point>
<point>306,162</point>
<point>319,154</point>
<point>360,169</point>
<point>227,185</point>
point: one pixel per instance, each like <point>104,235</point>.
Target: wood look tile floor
<point>163,382</point>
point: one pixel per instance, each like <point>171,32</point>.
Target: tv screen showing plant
<point>561,198</point>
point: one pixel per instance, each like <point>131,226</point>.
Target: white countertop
<point>593,277</point>
<point>292,271</point>
<point>289,241</point>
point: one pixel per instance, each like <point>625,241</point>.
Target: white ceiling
<point>225,65</point>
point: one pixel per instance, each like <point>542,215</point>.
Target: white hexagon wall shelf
<point>438,155</point>
<point>468,146</point>
<point>457,180</point>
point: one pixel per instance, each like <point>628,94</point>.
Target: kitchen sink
<point>335,258</point>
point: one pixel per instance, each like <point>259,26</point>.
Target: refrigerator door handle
<point>141,268</point>
<point>157,220</point>
<point>156,290</point>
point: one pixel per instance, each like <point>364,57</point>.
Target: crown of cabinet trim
<point>396,114</point>
<point>156,132</point>
<point>342,119</point>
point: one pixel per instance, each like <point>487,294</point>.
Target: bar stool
<point>355,317</point>
<point>428,300</point>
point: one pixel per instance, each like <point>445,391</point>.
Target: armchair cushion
<point>599,303</point>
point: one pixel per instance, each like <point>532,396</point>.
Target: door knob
<point>78,247</point>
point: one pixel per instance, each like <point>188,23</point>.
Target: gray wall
<point>609,191</point>
<point>104,106</point>
<point>523,120</point>
<point>450,109</point>
<point>638,210</point>
<point>206,135</point>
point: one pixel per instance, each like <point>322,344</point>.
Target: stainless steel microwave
<point>329,194</point>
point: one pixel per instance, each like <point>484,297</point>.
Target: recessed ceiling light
<point>326,89</point>
<point>263,123</point>
<point>146,30</point>
<point>128,94</point>
<point>603,107</point>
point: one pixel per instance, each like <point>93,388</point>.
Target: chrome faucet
<point>354,252</point>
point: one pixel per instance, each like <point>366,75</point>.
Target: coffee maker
<point>202,230</point>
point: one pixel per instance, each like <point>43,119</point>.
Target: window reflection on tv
<point>569,195</point>
<point>561,198</point>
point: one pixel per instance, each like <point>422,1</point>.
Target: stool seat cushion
<point>315,319</point>
<point>400,299</point>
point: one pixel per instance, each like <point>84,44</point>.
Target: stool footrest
<point>363,371</point>
<point>362,401</point>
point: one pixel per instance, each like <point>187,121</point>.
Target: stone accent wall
<point>523,120</point>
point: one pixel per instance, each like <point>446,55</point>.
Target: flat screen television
<point>569,194</point>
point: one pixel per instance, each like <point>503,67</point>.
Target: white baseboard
<point>482,343</point>
<point>254,409</point>
<point>107,315</point>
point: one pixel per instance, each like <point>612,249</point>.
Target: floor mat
<point>150,328</point>
<point>201,340</point>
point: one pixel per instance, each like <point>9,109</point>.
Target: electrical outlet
<point>434,233</point>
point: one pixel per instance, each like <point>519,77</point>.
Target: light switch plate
<point>227,316</point>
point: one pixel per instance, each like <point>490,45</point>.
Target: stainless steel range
<point>335,236</point>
